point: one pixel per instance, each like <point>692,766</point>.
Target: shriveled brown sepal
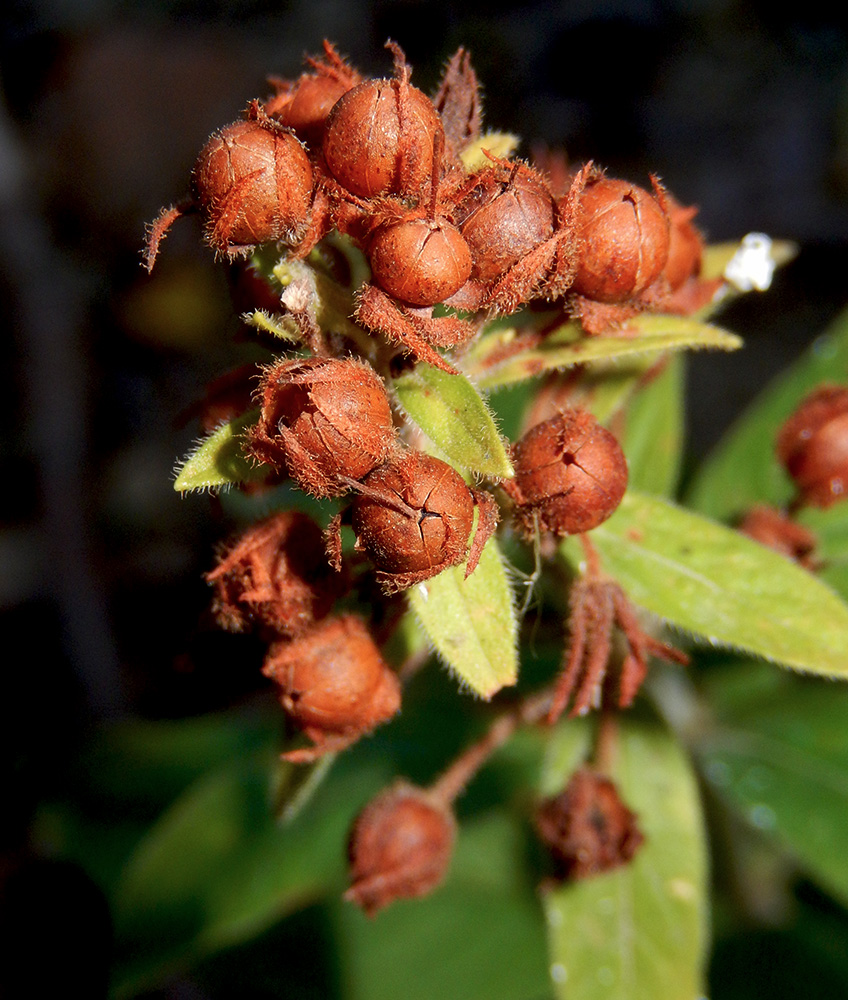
<point>587,829</point>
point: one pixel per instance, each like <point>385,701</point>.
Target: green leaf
<point>743,470</point>
<point>471,622</point>
<point>217,869</point>
<point>653,429</point>
<point>831,551</point>
<point>724,588</point>
<point>782,758</point>
<point>452,414</point>
<point>280,326</point>
<point>219,459</point>
<point>499,358</point>
<point>638,932</point>
<point>478,937</point>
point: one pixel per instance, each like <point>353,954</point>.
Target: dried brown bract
<point>276,576</point>
<point>324,420</point>
<point>597,606</point>
<point>400,847</point>
<point>570,475</point>
<point>413,518</point>
<point>587,828</point>
<point>335,685</point>
<point>459,103</point>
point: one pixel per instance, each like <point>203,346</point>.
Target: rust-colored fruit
<point>507,212</point>
<point>334,684</point>
<point>623,234</point>
<point>420,261</point>
<point>400,847</point>
<point>253,184</point>
<point>380,138</point>
<point>413,519</point>
<point>322,419</point>
<point>812,445</point>
<point>570,474</point>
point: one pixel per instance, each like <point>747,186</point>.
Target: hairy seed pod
<point>623,233</point>
<point>420,261</point>
<point>303,104</point>
<point>400,847</point>
<point>587,828</point>
<point>379,141</point>
<point>685,248</point>
<point>275,575</point>
<point>253,184</point>
<point>569,472</point>
<point>812,445</point>
<point>322,418</point>
<point>334,682</point>
<point>413,519</point>
<point>506,214</point>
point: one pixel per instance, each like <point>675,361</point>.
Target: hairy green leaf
<point>453,415</point>
<point>743,470</point>
<point>219,459</point>
<point>471,622</point>
<point>637,932</point>
<point>782,758</point>
<point>509,355</point>
<point>724,588</point>
<point>653,429</point>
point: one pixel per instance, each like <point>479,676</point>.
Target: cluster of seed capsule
<point>441,223</point>
<point>382,163</point>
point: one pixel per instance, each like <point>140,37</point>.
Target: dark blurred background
<point>741,109</point>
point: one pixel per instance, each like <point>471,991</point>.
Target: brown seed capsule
<point>570,472</point>
<point>305,103</point>
<point>400,847</point>
<point>253,184</point>
<point>778,531</point>
<point>507,212</point>
<point>813,446</point>
<point>379,139</point>
<point>587,828</point>
<point>413,519</point>
<point>624,235</point>
<point>685,248</point>
<point>322,418</point>
<point>275,576</point>
<point>335,684</point>
<point>420,261</point>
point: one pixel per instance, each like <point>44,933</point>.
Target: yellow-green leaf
<point>497,358</point>
<point>471,622</point>
<point>219,459</point>
<point>453,415</point>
